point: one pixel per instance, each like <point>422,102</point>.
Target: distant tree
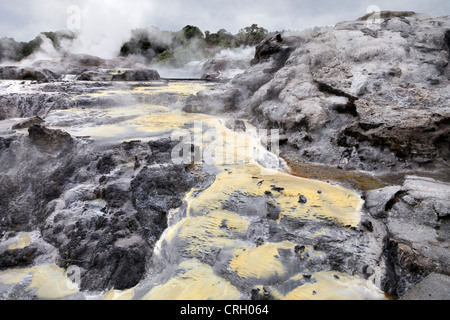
<point>252,35</point>
<point>191,32</point>
<point>142,44</point>
<point>28,48</point>
<point>222,39</point>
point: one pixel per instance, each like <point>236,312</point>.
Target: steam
<point>192,67</point>
<point>106,25</point>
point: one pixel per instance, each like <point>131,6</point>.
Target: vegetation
<point>176,48</point>
<point>251,36</point>
<point>12,50</point>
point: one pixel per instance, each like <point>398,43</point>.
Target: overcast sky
<point>24,19</point>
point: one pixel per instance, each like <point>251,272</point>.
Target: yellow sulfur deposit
<point>333,286</point>
<point>181,88</point>
<point>333,202</point>
<point>259,262</point>
<point>24,241</point>
<point>50,281</point>
<point>198,283</point>
<point>216,229</point>
<point>119,295</point>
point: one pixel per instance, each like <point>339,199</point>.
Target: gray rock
<point>136,75</point>
<point>433,287</point>
<point>26,73</point>
<point>28,123</point>
<point>94,76</point>
<point>418,232</point>
<point>374,101</point>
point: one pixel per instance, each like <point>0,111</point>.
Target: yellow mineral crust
<point>50,281</point>
<point>260,262</point>
<point>331,285</point>
<point>181,88</point>
<point>333,202</point>
<point>216,229</point>
<point>24,241</point>
<point>198,283</point>
<point>119,295</point>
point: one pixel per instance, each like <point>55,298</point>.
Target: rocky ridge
<point>81,67</point>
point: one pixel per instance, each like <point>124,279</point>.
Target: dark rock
<point>368,225</point>
<point>213,101</point>
<point>409,256</point>
<point>273,210</point>
<point>44,137</point>
<point>18,258</point>
<point>214,69</point>
<point>26,73</point>
<point>261,295</point>
<point>136,75</point>
<point>106,164</point>
<point>28,123</point>
<point>268,48</point>
<point>94,76</point>
<point>302,199</point>
<point>166,187</point>
<point>447,39</point>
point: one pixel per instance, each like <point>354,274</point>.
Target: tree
<point>252,35</point>
<point>191,32</point>
<point>222,39</point>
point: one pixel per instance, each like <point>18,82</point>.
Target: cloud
<point>24,19</point>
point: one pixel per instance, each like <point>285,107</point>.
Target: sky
<point>24,19</point>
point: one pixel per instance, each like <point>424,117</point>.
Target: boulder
<point>417,231</point>
<point>220,69</point>
<point>26,73</point>
<point>136,75</point>
<point>213,101</point>
<point>94,76</point>
<point>28,123</point>
<point>43,137</point>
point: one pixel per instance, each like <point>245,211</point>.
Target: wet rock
<point>94,76</point>
<point>110,231</point>
<point>106,164</point>
<point>213,101</point>
<point>218,69</point>
<point>44,137</point>
<point>167,185</point>
<point>447,39</point>
<point>270,47</point>
<point>28,123</point>
<point>26,73</point>
<point>136,75</point>
<point>302,199</point>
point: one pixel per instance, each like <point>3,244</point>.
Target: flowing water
<point>206,222</point>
